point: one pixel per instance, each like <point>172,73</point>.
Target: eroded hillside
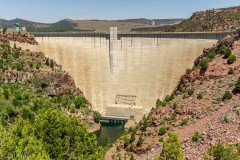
<point>225,19</point>
<point>205,103</point>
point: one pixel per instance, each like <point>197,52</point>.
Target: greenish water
<point>114,131</point>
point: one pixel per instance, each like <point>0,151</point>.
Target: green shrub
<point>199,96</point>
<point>162,131</point>
<point>10,111</point>
<point>47,61</point>
<point>231,59</point>
<point>174,106</point>
<point>132,138</point>
<point>132,157</point>
<point>188,71</point>
<point>126,141</point>
<point>231,71</point>
<point>222,49</point>
<point>183,123</point>
<point>52,64</point>
<point>190,91</point>
<point>211,55</point>
<point>158,103</point>
<point>227,95</point>
<point>27,113</point>
<point>204,63</point>
<point>80,102</point>
<point>219,152</point>
<point>237,85</point>
<point>145,123</point>
<point>96,116</point>
<point>196,137</point>
<point>4,30</point>
<point>140,141</point>
<point>227,53</point>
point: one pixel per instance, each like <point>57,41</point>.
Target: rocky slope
<point>198,104</point>
<point>22,37</point>
<point>226,19</point>
<point>43,78</point>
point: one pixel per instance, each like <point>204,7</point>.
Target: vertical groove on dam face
<point>149,67</point>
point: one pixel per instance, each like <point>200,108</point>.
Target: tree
<point>51,64</point>
<point>66,137</point>
<point>107,141</point>
<point>132,139</point>
<point>158,103</point>
<point>140,141</point>
<point>4,30</point>
<point>172,148</point>
<point>20,142</point>
<point>145,123</point>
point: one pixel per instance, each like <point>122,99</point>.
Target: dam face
<point>146,67</point>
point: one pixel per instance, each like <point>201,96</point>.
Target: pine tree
<point>172,148</point>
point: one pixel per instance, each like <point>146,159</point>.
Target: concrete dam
<point>145,67</point>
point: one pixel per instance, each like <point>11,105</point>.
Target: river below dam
<point>113,131</point>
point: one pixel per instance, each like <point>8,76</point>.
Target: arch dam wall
<point>147,66</point>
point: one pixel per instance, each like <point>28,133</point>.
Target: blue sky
<point>54,10</point>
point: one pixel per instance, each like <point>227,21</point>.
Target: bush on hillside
<point>162,131</point>
<point>199,96</point>
<point>227,95</point>
<point>158,103</point>
<point>80,102</point>
<point>227,52</point>
<point>231,71</point>
<point>196,137</point>
<point>231,59</point>
<point>222,49</point>
<point>220,152</point>
<point>204,63</point>
<point>190,91</point>
<point>188,71</point>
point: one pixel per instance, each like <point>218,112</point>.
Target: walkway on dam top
<point>187,35</point>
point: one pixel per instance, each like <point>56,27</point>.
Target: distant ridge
<point>66,25</point>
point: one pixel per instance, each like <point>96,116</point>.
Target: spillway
<point>146,67</point>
